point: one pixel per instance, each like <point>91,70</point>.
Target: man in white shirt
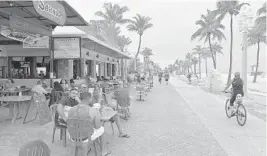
<point>38,88</point>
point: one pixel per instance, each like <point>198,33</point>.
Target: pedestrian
<point>160,76</point>
<point>167,76</point>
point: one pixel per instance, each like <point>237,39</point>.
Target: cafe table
<point>16,100</point>
<point>105,114</point>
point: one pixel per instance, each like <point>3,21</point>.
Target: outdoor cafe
<point>31,56</point>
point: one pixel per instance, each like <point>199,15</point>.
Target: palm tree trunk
<point>213,59</point>
<point>257,64</point>
<point>195,70</point>
<point>231,51</point>
<point>138,50</point>
<point>206,63</point>
<point>199,65</point>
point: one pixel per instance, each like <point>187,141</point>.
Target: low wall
<point>31,82</point>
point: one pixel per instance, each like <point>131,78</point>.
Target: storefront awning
<point>74,32</point>
<point>29,10</point>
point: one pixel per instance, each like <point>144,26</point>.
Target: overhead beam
<point>23,6</point>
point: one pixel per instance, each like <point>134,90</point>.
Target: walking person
<point>167,76</point>
<point>160,76</point>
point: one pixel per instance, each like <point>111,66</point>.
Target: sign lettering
<point>51,10</point>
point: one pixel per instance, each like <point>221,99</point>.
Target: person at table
<point>38,88</point>
<point>96,99</point>
<point>64,84</point>
<point>72,84</point>
<point>53,96</point>
<point>93,115</point>
<point>105,84</point>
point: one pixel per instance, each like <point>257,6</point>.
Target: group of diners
<point>81,97</point>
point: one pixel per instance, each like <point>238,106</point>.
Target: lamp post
<point>245,22</point>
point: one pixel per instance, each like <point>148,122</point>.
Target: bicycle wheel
<point>241,115</point>
<point>228,108</point>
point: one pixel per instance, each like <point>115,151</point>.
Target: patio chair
<point>57,125</point>
<point>111,104</point>
<point>79,132</point>
<point>123,101</point>
<point>140,92</point>
<point>35,148</point>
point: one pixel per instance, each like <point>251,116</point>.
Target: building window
<point>3,67</point>
<point>29,67</point>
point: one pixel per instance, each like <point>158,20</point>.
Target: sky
<point>174,24</point>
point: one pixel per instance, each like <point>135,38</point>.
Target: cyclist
<point>237,86</point>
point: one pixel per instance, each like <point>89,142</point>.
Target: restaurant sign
<point>42,43</point>
<point>18,35</point>
<point>24,25</point>
<point>51,10</point>
<point>67,48</point>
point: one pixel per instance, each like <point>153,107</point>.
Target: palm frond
<point>101,14</point>
<point>196,34</point>
<point>262,10</point>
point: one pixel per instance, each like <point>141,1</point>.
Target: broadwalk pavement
<point>162,125</point>
<point>249,140</point>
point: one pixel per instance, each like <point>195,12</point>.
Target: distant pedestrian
<point>160,76</point>
<point>167,76</point>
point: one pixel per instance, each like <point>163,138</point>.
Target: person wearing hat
<point>237,86</point>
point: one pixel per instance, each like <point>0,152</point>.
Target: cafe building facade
<point>26,36</point>
<point>84,55</point>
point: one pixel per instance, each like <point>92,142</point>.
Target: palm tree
<point>232,8</point>
<point>205,54</point>
<point>113,14</point>
<point>139,24</point>
<point>123,42</point>
<point>103,30</point>
<point>197,51</point>
<point>255,37</point>
<point>261,20</point>
<point>210,26</point>
<point>194,61</point>
<point>147,52</point>
<point>189,63</point>
<point>216,48</point>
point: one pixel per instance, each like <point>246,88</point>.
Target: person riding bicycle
<point>237,86</point>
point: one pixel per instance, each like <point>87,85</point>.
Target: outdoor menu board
<point>67,48</point>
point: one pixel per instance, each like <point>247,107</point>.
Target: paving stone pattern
<point>163,125</point>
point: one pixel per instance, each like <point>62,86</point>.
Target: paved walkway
<point>163,125</point>
<point>255,104</point>
<point>249,140</point>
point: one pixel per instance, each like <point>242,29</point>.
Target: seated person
<point>72,84</point>
<point>38,88</point>
<point>121,91</point>
<point>116,118</point>
<point>53,96</point>
<point>92,114</point>
<point>67,101</point>
<point>64,84</point>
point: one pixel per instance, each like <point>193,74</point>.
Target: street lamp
<point>245,23</point>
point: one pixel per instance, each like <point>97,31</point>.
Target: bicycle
<point>239,109</point>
